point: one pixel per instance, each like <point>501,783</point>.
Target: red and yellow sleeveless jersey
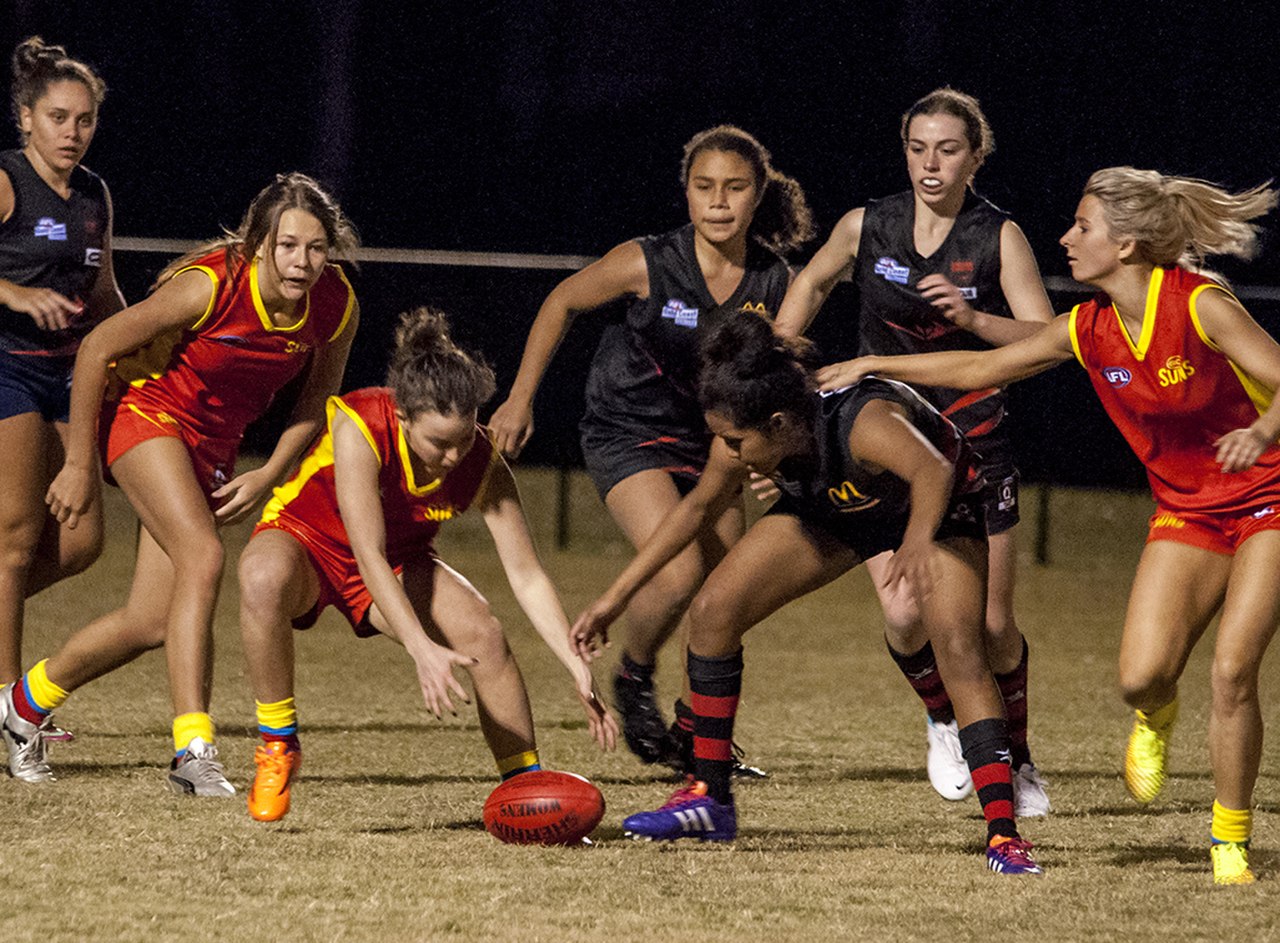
<point>413,511</point>
<point>220,374</point>
<point>1172,393</point>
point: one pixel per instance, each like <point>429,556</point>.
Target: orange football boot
<point>269,794</point>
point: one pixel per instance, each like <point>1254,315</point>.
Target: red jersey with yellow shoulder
<point>1173,393</point>
<point>220,374</point>
<point>307,505</point>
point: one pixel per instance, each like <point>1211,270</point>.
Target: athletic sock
<point>921,671</point>
<point>517,763</point>
<point>278,722</point>
<point>715,685</point>
<point>634,671</point>
<point>188,727</point>
<point>1231,825</point>
<point>1013,689</point>
<point>684,717</point>
<point>985,744</point>
<point>1162,718</point>
<point>35,697</point>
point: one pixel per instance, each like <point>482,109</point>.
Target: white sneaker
<point>1029,798</point>
<point>198,773</point>
<point>25,742</point>
<point>948,772</point>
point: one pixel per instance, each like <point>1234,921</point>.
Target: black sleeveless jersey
<point>645,370</point>
<point>833,488</point>
<point>49,242</point>
<point>895,319</point>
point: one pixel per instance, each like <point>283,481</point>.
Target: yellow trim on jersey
<point>1139,350</point>
<point>351,303</point>
<point>406,459</point>
<point>1259,394</point>
<point>357,419</point>
<point>320,458</point>
<point>1075,340</point>
<point>258,306</point>
<point>213,295</point>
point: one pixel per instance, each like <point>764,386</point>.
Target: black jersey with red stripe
<point>832,486</point>
<point>894,318</point>
<point>50,242</point>
<point>645,370</point>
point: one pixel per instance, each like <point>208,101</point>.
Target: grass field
<point>845,840</point>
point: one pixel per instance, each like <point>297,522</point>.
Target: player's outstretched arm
<point>813,284</point>
<point>621,272</point>
<point>504,516</point>
<point>355,472</point>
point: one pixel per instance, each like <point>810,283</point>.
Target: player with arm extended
<point>865,469</point>
<point>1188,377</point>
<point>940,268</point>
<point>161,395</point>
<point>354,529</point>
<point>643,435</point>
<point>57,282</point>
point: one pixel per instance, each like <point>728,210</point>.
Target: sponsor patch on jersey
<point>676,310</point>
<point>93,258</point>
<point>755,307</point>
<point>968,294</point>
<point>1175,371</point>
<point>961,266</point>
<point>1118,377</point>
<point>848,498</point>
<point>49,228</point>
<point>892,270</point>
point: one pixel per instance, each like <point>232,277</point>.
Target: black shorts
<point>995,462</point>
<point>31,383</point>
<point>613,453</point>
<point>869,534</point>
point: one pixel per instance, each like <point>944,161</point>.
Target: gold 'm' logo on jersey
<point>755,307</point>
<point>848,498</point>
<point>437,514</point>
<point>1175,370</point>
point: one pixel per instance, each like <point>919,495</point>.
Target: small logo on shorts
<point>892,270</point>
<point>676,310</point>
<point>49,228</point>
<point>1168,520</point>
<point>1118,377</point>
<point>220,475</point>
<point>1265,512</point>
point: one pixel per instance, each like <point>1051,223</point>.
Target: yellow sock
<point>1234,825</point>
<point>1161,718</point>
<point>524,762</point>
<point>186,727</point>
<point>278,717</point>
<point>44,693</point>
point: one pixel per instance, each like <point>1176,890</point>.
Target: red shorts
<point>1219,532</point>
<point>340,583</point>
<point>124,425</point>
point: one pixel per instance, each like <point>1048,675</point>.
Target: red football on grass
<point>544,807</point>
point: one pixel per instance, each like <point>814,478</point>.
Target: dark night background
<point>556,127</point>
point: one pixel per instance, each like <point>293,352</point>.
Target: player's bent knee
<point>715,624</point>
<point>1234,682</point>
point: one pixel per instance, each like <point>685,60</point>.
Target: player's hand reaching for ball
<point>600,723</point>
<point>590,632</point>
<point>512,427</point>
<point>435,665</point>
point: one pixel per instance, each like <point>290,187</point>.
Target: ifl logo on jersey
<point>1118,377</point>
<point>848,498</point>
<point>892,271</point>
<point>676,310</point>
<point>49,228</point>
<point>1175,370</point>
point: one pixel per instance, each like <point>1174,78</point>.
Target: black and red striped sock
<point>1013,689</point>
<point>921,671</point>
<point>985,744</point>
<point>715,684</point>
<point>684,717</point>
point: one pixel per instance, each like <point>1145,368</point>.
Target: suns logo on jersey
<point>296,347</point>
<point>1175,370</point>
<point>437,514</point>
<point>848,498</point>
<point>755,307</point>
